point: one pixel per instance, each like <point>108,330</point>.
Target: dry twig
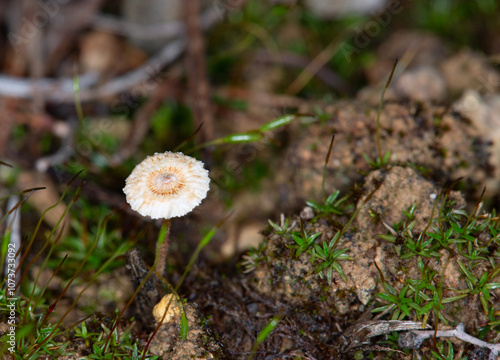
<point>323,73</point>
<point>316,64</point>
<point>414,339</point>
<point>358,335</point>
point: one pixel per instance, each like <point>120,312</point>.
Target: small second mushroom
<point>166,310</point>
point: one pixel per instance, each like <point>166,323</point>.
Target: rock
<point>387,193</point>
<point>426,49</point>
<point>423,84</point>
<point>484,113</point>
<point>468,69</point>
<point>242,237</point>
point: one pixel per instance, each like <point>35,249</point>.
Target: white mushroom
<point>167,185</point>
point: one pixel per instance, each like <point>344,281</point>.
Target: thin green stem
<point>78,103</point>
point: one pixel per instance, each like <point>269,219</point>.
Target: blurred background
<point>93,87</point>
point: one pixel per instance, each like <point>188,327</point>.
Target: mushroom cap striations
<point>166,185</point>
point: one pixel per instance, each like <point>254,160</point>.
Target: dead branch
<point>54,89</point>
<point>196,69</point>
<point>62,90</point>
<point>414,339</point>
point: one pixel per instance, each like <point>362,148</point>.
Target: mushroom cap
<point>166,185</point>
<point>173,310</point>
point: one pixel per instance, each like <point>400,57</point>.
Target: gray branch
<point>414,339</point>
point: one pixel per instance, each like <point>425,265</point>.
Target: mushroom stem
<point>162,249</point>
